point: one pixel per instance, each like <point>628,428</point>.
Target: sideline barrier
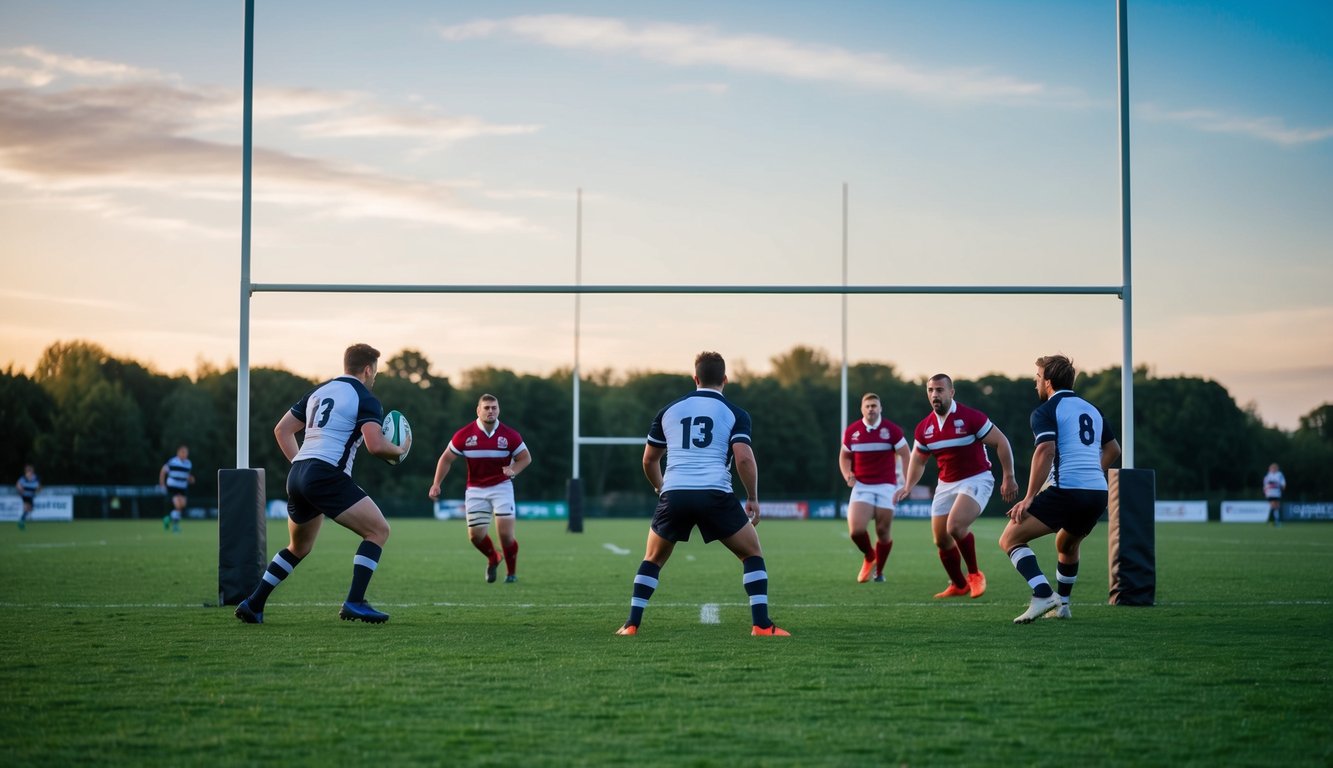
<point>1319,510</point>
<point>1244,511</point>
<point>46,507</point>
<point>1181,511</point>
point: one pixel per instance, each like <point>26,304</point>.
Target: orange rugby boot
<point>629,630</point>
<point>953,591</point>
<point>867,567</point>
<point>771,630</point>
<point>976,582</point>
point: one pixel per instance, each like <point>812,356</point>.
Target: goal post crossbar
<point>1067,290</point>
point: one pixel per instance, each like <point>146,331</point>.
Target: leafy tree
<point>87,417</point>
<point>411,366</point>
<point>1318,423</point>
<point>26,411</point>
<point>98,438</point>
<point>802,364</point>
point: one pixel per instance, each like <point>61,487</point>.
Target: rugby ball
<point>397,431</point>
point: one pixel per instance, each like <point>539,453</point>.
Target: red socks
<point>953,565</point>
<point>882,549</point>
<point>488,549</point>
<point>862,541</point>
<point>968,546</point>
<point>511,557</point>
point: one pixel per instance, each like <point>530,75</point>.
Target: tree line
<point>86,417</point>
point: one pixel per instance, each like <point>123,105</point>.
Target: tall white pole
<point>843,408</point>
<point>243,363</point>
<point>578,308</point>
<point>1127,293</point>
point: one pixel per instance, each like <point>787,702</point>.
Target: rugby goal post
<point>1123,290</point>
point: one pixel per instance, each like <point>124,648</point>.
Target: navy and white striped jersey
<point>698,430</point>
<point>1079,431</point>
<point>28,486</point>
<point>178,473</point>
<point>333,414</point>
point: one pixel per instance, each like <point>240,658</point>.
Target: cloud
<point>683,45</point>
<point>51,298</point>
<point>35,67</point>
<point>431,128</point>
<point>86,144</point>
<point>1270,129</point>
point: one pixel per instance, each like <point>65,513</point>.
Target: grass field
<point>113,655</point>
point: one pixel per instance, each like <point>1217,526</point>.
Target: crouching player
<point>1074,449</point>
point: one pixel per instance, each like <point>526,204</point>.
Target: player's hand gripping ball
<point>397,431</point>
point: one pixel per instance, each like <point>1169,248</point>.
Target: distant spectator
<point>1274,484</point>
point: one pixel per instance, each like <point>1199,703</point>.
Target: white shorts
<point>876,494</point>
<point>979,487</point>
<point>482,503</point>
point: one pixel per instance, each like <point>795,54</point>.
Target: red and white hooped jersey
<point>874,450</point>
<point>487,454</point>
<point>955,441</point>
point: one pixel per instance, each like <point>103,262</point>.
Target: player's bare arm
<point>652,466</point>
<point>285,433</point>
<point>519,464</point>
<point>1110,454</point>
<point>747,467</point>
<point>1042,459</point>
<point>1008,483</point>
<point>845,464</point>
<point>441,470</point>
<point>916,466</point>
<point>379,445</point>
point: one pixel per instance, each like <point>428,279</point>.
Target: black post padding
<point>1132,549</point>
<point>242,533</point>
<point>575,505</point>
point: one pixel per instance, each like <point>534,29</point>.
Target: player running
<point>495,455</point>
<point>957,436</point>
<point>872,446</point>
<point>1074,449</point>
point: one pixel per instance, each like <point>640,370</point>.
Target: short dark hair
<point>939,376</point>
<point>358,356</point>
<point>1059,370</point>
<point>710,369</point>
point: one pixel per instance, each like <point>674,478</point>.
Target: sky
<point>711,143</point>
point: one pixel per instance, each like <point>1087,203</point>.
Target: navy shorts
<point>717,513</point>
<point>317,488</point>
<point>1072,509</point>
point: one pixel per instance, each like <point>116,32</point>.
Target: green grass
<point>112,655</point>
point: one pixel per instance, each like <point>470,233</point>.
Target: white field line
<point>613,549</point>
<point>708,614</point>
<point>62,544</point>
<point>1082,606</point>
